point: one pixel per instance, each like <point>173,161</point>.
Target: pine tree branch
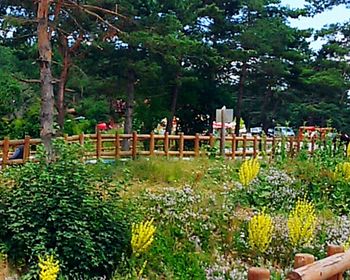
<point>37,81</point>
<point>58,8</point>
<point>28,81</point>
<point>106,11</point>
<point>69,3</point>
<point>19,20</point>
<point>77,43</point>
<point>34,81</point>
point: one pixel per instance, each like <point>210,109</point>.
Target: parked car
<point>256,131</point>
<point>283,131</point>
<point>270,132</point>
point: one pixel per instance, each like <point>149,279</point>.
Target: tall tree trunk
<point>62,87</point>
<point>67,53</point>
<point>240,97</point>
<point>45,58</point>
<point>174,97</point>
<point>263,114</point>
<point>130,91</point>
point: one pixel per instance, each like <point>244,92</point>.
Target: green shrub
<point>59,208</point>
<point>74,127</point>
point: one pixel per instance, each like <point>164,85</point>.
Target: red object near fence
<point>102,126</point>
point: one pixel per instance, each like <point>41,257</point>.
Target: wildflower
<point>343,169</point>
<point>49,268</point>
<point>302,223</point>
<point>260,229</point>
<point>142,236</point>
<point>348,150</point>
<point>248,171</point>
<point>139,274</point>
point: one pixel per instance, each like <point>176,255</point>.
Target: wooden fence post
<point>117,145</point>
<point>273,149</point>
<point>256,273</point>
<point>322,269</point>
<point>151,144</point>
<point>298,143</point>
<point>222,132</point>
<point>181,145</point>
<point>255,144</point>
<point>196,145</point>
<point>5,151</point>
<point>312,145</point>
<point>302,260</point>
<point>98,143</point>
<point>134,144</point>
<point>233,146</point>
<point>332,250</point>
<point>81,139</point>
<point>211,140</point>
<point>26,151</point>
<point>166,144</point>
<point>291,146</point>
<point>244,146</point>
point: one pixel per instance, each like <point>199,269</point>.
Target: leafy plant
<point>60,208</point>
<point>343,169</point>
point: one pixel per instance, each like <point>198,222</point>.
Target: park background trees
<point>137,62</point>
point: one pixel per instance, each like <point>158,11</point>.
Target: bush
<point>60,209</point>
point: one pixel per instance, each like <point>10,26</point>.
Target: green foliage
<point>199,208</point>
<point>184,47</point>
<point>19,113</point>
<point>61,208</point>
<point>95,110</point>
<point>75,127</point>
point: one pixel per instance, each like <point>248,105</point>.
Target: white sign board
<point>228,115</point>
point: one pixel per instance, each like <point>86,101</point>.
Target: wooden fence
<point>115,146</point>
<point>305,267</point>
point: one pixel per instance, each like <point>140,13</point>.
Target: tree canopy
<point>136,63</point>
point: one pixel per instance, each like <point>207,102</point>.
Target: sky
<point>337,14</point>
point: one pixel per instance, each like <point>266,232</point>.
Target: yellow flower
<point>260,229</point>
<point>348,150</point>
<point>343,169</point>
<point>248,171</point>
<point>142,236</point>
<point>49,268</point>
<point>302,223</point>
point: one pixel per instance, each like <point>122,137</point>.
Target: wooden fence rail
<point>115,146</point>
<point>305,267</point>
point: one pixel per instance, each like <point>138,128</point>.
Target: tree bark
<point>130,91</point>
<point>63,81</point>
<point>45,59</point>
<point>67,53</point>
<point>174,97</point>
<point>240,97</point>
<point>263,114</point>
